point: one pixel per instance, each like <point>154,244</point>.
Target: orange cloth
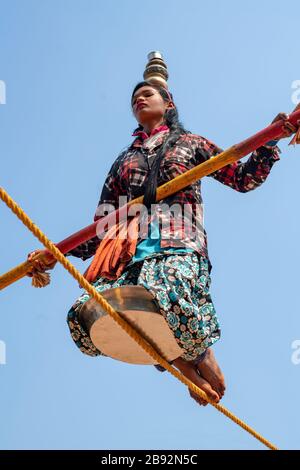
<point>115,251</point>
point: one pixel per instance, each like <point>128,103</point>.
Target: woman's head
<point>151,103</point>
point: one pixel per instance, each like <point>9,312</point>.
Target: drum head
<point>138,307</point>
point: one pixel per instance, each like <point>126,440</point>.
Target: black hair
<point>171,119</point>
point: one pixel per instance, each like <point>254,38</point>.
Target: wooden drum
<point>137,305</point>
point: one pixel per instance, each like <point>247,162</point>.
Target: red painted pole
<point>232,154</point>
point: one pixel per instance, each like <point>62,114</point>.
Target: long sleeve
<point>241,176</point>
<point>111,191</point>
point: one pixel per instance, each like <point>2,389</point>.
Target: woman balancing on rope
<point>172,260</point>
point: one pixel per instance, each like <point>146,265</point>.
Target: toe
<point>205,386</point>
<point>221,388</point>
<point>198,399</point>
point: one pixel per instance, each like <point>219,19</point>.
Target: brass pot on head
<point>156,70</point>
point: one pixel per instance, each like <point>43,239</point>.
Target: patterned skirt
<point>180,286</point>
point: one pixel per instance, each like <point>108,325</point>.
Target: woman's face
<point>148,105</point>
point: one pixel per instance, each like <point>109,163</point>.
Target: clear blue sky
<point>69,69</point>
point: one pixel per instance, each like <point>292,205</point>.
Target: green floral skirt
<point>180,286</point>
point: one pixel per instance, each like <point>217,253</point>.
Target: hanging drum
<point>136,305</point>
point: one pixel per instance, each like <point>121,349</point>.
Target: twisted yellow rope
<point>121,322</point>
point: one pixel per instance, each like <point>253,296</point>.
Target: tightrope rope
<point>18,211</point>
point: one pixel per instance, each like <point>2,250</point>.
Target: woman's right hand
<point>287,128</point>
<point>38,264</point>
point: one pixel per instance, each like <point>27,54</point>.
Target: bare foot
<point>210,371</point>
<point>189,370</point>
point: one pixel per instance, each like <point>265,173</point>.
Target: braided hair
<point>176,130</point>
